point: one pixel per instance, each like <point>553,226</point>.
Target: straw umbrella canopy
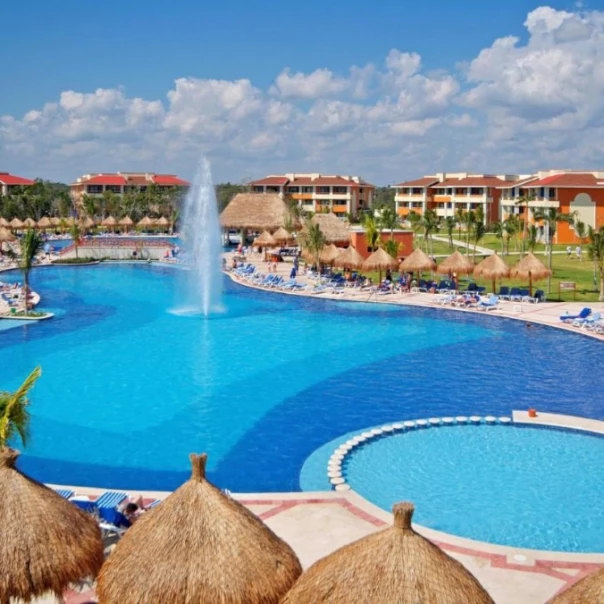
<point>87,222</point>
<point>30,223</point>
<point>492,267</point>
<point>55,221</point>
<point>282,236</point>
<point>109,222</point>
<point>199,545</point>
<point>329,253</point>
<point>4,222</point>
<point>349,258</point>
<point>265,239</point>
<point>417,261</point>
<point>162,221</point>
<point>47,542</point>
<point>590,590</point>
<point>6,235</point>
<point>256,211</point>
<point>455,263</point>
<point>333,229</point>
<point>380,260</point>
<point>145,222</point>
<point>126,222</point>
<point>44,223</point>
<point>15,223</point>
<point>530,268</point>
<point>393,566</point>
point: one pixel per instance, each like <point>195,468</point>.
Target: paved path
<point>483,251</point>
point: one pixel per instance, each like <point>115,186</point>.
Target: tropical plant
<point>30,246</point>
<point>511,226</point>
<point>76,234</point>
<point>459,218</point>
<point>498,230</point>
<point>392,247</point>
<point>468,221</point>
<point>14,417</point>
<point>430,225</point>
<point>581,231</point>
<point>596,253</point>
<point>532,237</point>
<point>388,219</point>
<point>313,240</point>
<point>524,202</point>
<point>372,232</point>
<point>415,222</point>
<point>450,224</point>
<point>478,231</point>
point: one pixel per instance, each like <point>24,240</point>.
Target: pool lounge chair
<point>65,493</point>
<point>504,292</point>
<point>489,304</point>
<point>107,505</point>
<point>566,318</point>
<point>589,320</point>
<point>538,297</point>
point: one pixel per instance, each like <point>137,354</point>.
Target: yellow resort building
<point>342,195</point>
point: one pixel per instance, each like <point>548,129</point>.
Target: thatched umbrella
<point>6,235</point>
<point>69,221</point>
<point>589,590</point>
<point>44,223</point>
<point>455,263</point>
<point>30,223</point>
<point>329,253</point>
<point>162,221</point>
<point>349,258</point>
<point>256,211</point>
<point>3,222</point>
<point>15,223</point>
<point>265,239</point>
<point>282,236</point>
<point>492,267</point>
<point>145,222</point>
<point>47,542</point>
<point>380,260</point>
<point>109,222</point>
<point>199,545</point>
<point>333,229</point>
<point>87,223</point>
<point>126,222</point>
<point>530,268</point>
<point>417,261</point>
<point>393,566</point>
<point>56,221</point>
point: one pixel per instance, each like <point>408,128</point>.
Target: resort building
<point>9,182</point>
<point>579,193</point>
<point>342,195</point>
<point>448,193</point>
<point>358,240</point>
<point>122,182</point>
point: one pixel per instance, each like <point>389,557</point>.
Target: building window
<point>361,190</point>
<point>552,194</point>
<point>293,189</point>
<point>113,188</point>
<point>258,189</point>
<point>322,189</point>
<point>307,189</point>
<point>272,189</point>
<point>340,190</point>
<point>94,189</point>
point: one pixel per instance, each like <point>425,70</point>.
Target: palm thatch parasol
<point>126,222</point>
<point>47,543</point>
<point>110,221</point>
<point>69,221</point>
<point>15,223</point>
<point>530,268</point>
<point>199,545</point>
<point>4,222</point>
<point>329,253</point>
<point>55,221</point>
<point>30,223</point>
<point>265,239</point>
<point>492,267</point>
<point>162,221</point>
<point>379,260</point>
<point>6,235</point>
<point>146,221</point>
<point>455,263</point>
<point>87,223</point>
<point>332,227</point>
<point>44,223</point>
<point>282,236</point>
<point>349,258</point>
<point>590,590</point>
<point>256,211</point>
<point>393,566</point>
<point>417,261</point>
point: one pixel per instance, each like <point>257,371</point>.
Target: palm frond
<point>15,417</point>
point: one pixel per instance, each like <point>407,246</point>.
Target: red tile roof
<point>470,181</point>
<point>10,179</point>
<point>270,180</point>
<point>420,182</point>
<point>568,180</point>
<point>523,182</point>
<point>170,179</point>
<point>104,179</point>
<point>137,180</point>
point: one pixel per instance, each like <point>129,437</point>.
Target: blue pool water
<point>520,486</point>
<point>129,388</point>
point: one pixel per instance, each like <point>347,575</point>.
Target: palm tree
<point>580,231</point>
<point>372,232</point>
<point>469,219</point>
<point>511,226</point>
<point>392,247</point>
<point>524,202</point>
<point>313,240</point>
<point>450,223</point>
<point>14,418</point>
<point>498,229</point>
<point>551,217</point>
<point>430,224</point>
<point>75,233</point>
<point>596,253</point>
<point>459,219</point>
<point>478,231</point>
<point>415,221</point>
<point>388,219</point>
<point>532,237</point>
<point>30,245</point>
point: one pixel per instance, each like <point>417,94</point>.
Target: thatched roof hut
<point>531,269</point>
<point>349,258</point>
<point>126,221</point>
<point>162,221</point>
<point>30,223</point>
<point>146,222</point>
<point>379,260</point>
<point>56,221</point>
<point>87,223</point>
<point>110,221</point>
<point>393,566</point>
<point>333,228</point>
<point>455,263</point>
<point>257,211</point>
<point>589,590</point>
<point>329,253</point>
<point>265,239</point>
<point>417,261</point>
<point>492,267</point>
<point>199,545</point>
<point>44,223</point>
<point>15,223</point>
<point>282,236</point>
<point>4,222</point>
<point>47,543</point>
<point>6,235</point>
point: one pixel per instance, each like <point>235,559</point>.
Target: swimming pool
<point>509,484</point>
<point>129,388</point>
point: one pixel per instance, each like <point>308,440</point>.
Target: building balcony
<point>441,198</point>
<point>339,209</point>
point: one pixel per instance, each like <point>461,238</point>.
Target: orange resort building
<point>122,182</point>
<point>358,240</point>
<point>342,195</point>
<point>9,182</point>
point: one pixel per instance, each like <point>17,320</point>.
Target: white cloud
<point>515,106</point>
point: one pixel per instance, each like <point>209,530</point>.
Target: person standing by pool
<point>579,251</point>
<point>293,272</point>
<point>569,251</point>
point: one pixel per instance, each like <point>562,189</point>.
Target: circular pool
<point>130,388</point>
<point>509,484</point>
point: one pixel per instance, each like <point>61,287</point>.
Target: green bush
<point>75,260</point>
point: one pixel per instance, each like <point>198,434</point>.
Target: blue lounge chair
<point>107,505</point>
<point>490,304</point>
<point>65,493</point>
<point>585,312</point>
<point>515,294</point>
<point>504,292</point>
<point>538,297</point>
<point>589,320</point>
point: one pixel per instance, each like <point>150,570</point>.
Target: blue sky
<point>141,48</point>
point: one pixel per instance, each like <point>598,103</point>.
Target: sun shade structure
<point>44,223</point>
<point>199,545</point>
<point>590,590</point>
<point>146,222</point>
<point>265,239</point>
<point>282,236</point>
<point>87,222</point>
<point>47,543</point>
<point>15,223</point>
<point>110,221</point>
<point>55,221</point>
<point>6,235</point>
<point>393,566</point>
<point>257,211</point>
<point>329,253</point>
<point>531,269</point>
<point>162,221</point>
<point>417,261</point>
<point>30,223</point>
<point>333,229</point>
<point>126,221</point>
<point>455,263</point>
<point>349,258</point>
<point>4,222</point>
<point>492,267</point>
